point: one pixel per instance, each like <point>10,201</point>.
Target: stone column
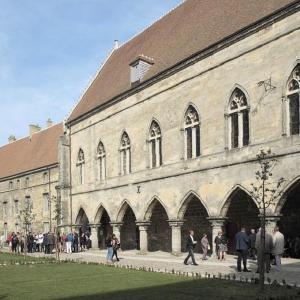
<point>241,129</point>
<point>94,236</point>
<point>157,152</point>
<point>143,227</point>
<point>194,143</point>
<point>216,225</point>
<point>176,236</point>
<point>271,223</point>
<point>117,229</point>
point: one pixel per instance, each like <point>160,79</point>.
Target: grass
<point>81,281</point>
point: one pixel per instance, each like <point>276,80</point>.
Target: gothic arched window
<point>155,145</point>
<point>191,133</point>
<point>293,95</point>
<point>125,154</point>
<point>101,155</point>
<point>238,120</point>
<point>80,166</point>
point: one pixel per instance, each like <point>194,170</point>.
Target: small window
<point>46,202</point>
<point>10,185</point>
<point>45,177</point>
<point>5,209</point>
<point>102,162</point>
<point>138,69</point>
<point>125,154</point>
<point>192,133</point>
<point>155,145</point>
<point>18,184</point>
<point>27,182</point>
<point>80,166</point>
<point>238,119</point>
<point>17,207</point>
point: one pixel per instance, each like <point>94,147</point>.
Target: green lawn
<point>81,281</point>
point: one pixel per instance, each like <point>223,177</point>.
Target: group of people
<point>112,245</point>
<point>33,242</point>
<point>73,242</point>
<point>47,242</point>
<point>273,247</point>
<point>247,246</point>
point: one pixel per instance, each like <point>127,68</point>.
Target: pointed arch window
<point>293,97</point>
<point>155,145</point>
<point>238,120</point>
<point>80,166</point>
<point>101,155</point>
<point>191,133</point>
<point>125,154</point>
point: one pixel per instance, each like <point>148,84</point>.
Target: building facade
<point>28,180</point>
<point>165,138</point>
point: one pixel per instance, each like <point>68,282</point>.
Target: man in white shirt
<point>278,247</point>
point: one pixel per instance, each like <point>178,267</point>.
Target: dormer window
<point>138,69</point>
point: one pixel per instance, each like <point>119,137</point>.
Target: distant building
<point>28,177</point>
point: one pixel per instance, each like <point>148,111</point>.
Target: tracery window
<point>191,133</point>
<point>293,95</point>
<point>101,155</point>
<point>238,120</point>
<point>80,166</point>
<point>125,154</point>
<point>155,145</point>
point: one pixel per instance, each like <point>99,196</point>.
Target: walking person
<point>278,247</point>
<point>266,256</point>
<point>218,242</point>
<point>252,239</point>
<point>242,243</point>
<point>205,246</point>
<point>109,249</point>
<point>116,246</point>
<point>190,245</point>
<point>69,242</point>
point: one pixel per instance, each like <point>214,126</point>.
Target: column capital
<point>143,225</point>
<point>116,224</point>
<point>275,217</point>
<point>94,225</point>
<point>176,223</point>
<point>217,221</point>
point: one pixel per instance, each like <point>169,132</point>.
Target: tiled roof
<point>193,26</point>
<point>28,154</point>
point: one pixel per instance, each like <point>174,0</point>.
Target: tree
<point>26,217</point>
<point>57,218</point>
<point>265,192</point>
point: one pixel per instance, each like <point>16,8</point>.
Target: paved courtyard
<point>162,261</point>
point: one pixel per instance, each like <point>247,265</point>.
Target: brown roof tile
<point>191,27</point>
<point>29,154</point>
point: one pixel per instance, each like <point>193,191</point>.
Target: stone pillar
<point>128,161</point>
<point>94,236</point>
<point>143,227</point>
<point>271,223</point>
<point>241,129</point>
<point>216,225</point>
<point>176,236</point>
<point>194,143</point>
<point>117,229</point>
<point>157,152</point>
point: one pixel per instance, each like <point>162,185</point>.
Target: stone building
<point>165,137</point>
<point>29,175</point>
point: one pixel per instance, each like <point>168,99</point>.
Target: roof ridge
<point>28,136</point>
<point>153,23</point>
<point>91,81</point>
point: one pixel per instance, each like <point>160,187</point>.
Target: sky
<point>51,50</point>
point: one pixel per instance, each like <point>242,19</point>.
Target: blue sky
<point>50,50</point>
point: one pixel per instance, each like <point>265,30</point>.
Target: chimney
<point>11,139</point>
<point>49,123</point>
<point>33,129</point>
<point>116,44</point>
